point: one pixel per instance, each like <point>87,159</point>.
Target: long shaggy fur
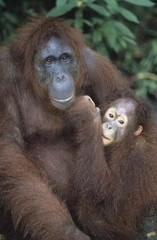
<point>36,193</point>
<point>116,186</point>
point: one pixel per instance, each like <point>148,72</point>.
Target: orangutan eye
<point>121,122</point>
<point>50,59</point>
<point>110,113</point>
<point>65,57</point>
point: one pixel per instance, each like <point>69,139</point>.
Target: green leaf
<point>128,15</point>
<point>116,47</point>
<point>124,29</point>
<point>78,21</point>
<point>141,92</point>
<point>129,40</point>
<point>99,9</point>
<point>152,85</point>
<point>55,12</point>
<point>145,3</point>
<point>97,36</point>
<point>112,4</point>
<point>88,1</point>
<point>122,43</point>
<point>111,33</point>
<point>154,46</point>
<point>60,3</point>
<point>88,23</point>
<point>2,3</point>
<point>101,49</point>
<point>78,24</point>
<point>10,17</point>
<point>98,21</point>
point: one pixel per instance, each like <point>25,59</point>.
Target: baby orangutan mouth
<point>106,141</point>
<point>103,136</point>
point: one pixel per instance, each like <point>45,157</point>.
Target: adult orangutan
<point>41,72</point>
<point>116,186</point>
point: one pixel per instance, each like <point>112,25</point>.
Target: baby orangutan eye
<point>110,113</point>
<point>121,121</point>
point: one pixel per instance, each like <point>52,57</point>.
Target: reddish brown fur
<point>36,194</point>
<point>116,190</point>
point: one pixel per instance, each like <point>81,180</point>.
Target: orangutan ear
<point>138,131</point>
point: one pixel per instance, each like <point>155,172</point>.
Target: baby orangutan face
<point>118,120</point>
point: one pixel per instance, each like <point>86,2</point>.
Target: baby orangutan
<point>118,120</point>
<point>116,186</point>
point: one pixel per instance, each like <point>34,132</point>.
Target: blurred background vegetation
<point>124,31</point>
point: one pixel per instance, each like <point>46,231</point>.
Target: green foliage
<point>143,62</point>
<point>106,22</point>
<point>122,30</point>
<point>14,13</point>
<point>62,7</point>
<point>145,3</point>
<point>111,29</point>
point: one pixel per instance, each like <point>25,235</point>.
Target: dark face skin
<point>56,68</point>
<point>117,121</point>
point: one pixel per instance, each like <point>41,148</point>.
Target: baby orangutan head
<point>119,120</point>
